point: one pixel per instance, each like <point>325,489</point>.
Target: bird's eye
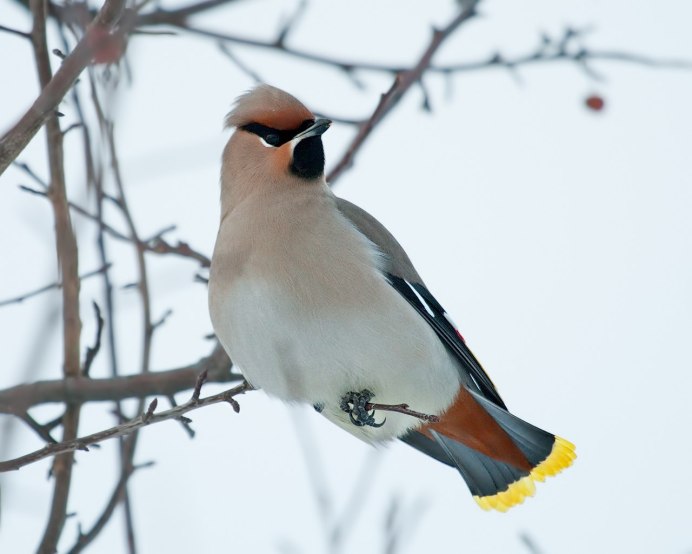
<point>273,139</point>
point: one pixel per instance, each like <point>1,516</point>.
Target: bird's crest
<point>268,106</point>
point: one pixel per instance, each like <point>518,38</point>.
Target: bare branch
<point>290,23</point>
<point>156,245</point>
<point>66,247</point>
<point>180,15</point>
<point>402,83</point>
<point>126,447</point>
<point>22,397</point>
<point>25,296</point>
<point>31,173</point>
<point>92,351</point>
<point>184,422</point>
<point>160,321</point>
<point>53,91</point>
<point>118,494</point>
<point>201,379</point>
<point>226,51</point>
<point>131,426</point>
<point>149,326</point>
<point>560,53</point>
<point>348,517</point>
<point>42,431</point>
<point>15,32</point>
<point>182,249</point>
<point>530,543</point>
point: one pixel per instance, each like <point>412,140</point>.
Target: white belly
<point>304,334</point>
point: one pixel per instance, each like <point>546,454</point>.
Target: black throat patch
<point>308,158</point>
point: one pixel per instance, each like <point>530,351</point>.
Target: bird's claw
<point>354,404</point>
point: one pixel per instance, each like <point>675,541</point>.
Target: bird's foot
<point>355,405</point>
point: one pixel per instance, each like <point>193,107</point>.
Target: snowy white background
<point>558,238</point>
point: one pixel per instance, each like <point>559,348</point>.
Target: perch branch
<point>147,418</point>
<point>402,409</point>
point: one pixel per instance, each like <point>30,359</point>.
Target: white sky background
<point>558,238</point>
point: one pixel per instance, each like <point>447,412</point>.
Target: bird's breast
<point>307,315</point>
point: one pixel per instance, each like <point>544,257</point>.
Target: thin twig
<point>156,245</point>
<point>42,431</point>
<point>578,56</point>
<point>95,181</point>
<point>182,249</point>
<point>149,327</point>
<point>53,91</point>
<point>16,32</point>
<point>112,231</point>
<point>92,351</point>
<point>201,379</point>
<point>117,496</point>
<point>348,517</point>
<point>170,17</point>
<point>160,321</point>
<point>226,51</point>
<point>401,523</point>
<point>26,168</point>
<point>184,422</point>
<point>148,418</point>
<point>530,544</point>
<point>163,17</point>
<point>25,296</point>
<point>290,24</point>
<point>314,464</point>
<point>402,83</point>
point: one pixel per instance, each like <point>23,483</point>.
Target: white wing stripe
<point>420,299</point>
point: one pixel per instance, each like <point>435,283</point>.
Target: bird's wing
<point>397,261</point>
<point>401,274</point>
<point>425,304</point>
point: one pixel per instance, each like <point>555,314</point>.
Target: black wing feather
<point>434,314</point>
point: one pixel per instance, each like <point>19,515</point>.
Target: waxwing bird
<point>316,302</point>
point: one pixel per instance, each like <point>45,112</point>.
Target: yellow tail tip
<point>561,457</point>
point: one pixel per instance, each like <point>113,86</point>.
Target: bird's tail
<point>499,455</point>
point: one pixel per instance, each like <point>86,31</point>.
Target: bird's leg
<point>354,404</point>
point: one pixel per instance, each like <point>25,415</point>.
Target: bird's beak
<point>316,129</point>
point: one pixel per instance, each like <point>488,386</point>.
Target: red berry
<point>595,102</point>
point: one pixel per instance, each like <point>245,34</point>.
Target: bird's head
<point>277,141</point>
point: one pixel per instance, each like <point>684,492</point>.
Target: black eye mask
<point>276,137</point>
